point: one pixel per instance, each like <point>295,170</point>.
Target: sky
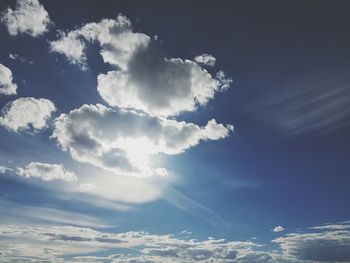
<point>173,131</point>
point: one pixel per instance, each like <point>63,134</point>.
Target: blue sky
<point>174,132</point>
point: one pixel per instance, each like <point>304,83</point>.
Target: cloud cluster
<point>278,229</point>
<point>19,58</point>
<point>46,172</point>
<point>329,244</point>
<point>122,140</point>
<point>143,79</point>
<point>3,169</point>
<point>7,87</point>
<point>55,242</point>
<point>206,60</point>
<point>143,90</point>
<point>25,114</point>
<point>28,17</point>
<point>151,248</point>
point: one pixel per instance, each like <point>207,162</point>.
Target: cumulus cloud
<point>320,245</point>
<point>27,114</point>
<point>122,140</point>
<point>28,17</point>
<point>46,172</point>
<point>7,87</point>
<point>3,169</point>
<point>73,43</point>
<point>327,245</point>
<point>205,59</point>
<point>143,77</point>
<point>151,248</point>
<point>278,229</point>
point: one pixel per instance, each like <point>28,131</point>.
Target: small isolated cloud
<point>17,57</point>
<point>142,77</point>
<point>206,60</point>
<point>278,229</point>
<point>46,172</point>
<point>7,87</point>
<point>122,140</point>
<point>28,17</point>
<point>27,114</point>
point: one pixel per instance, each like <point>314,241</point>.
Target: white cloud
<point>73,43</point>
<point>18,213</point>
<point>278,229</point>
<point>19,58</point>
<point>321,245</point>
<point>46,172</point>
<point>123,140</point>
<point>28,17</point>
<point>26,114</point>
<point>3,169</point>
<point>143,78</point>
<point>7,87</point>
<point>55,242</point>
<point>205,59</point>
<point>67,240</point>
<point>338,226</point>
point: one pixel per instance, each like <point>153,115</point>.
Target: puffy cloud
<point>55,242</point>
<point>143,77</point>
<point>3,169</point>
<point>73,43</point>
<point>66,240</point>
<point>122,140</point>
<point>205,59</point>
<point>28,17</point>
<point>46,172</point>
<point>26,113</point>
<point>7,87</point>
<point>326,245</point>
<point>278,229</point>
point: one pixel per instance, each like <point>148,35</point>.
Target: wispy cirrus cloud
<point>312,106</point>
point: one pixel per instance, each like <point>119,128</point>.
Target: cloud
<point>82,244</point>
<point>73,43</point>
<point>315,105</point>
<point>123,140</point>
<point>328,245</point>
<point>278,229</point>
<point>143,77</point>
<point>3,169</point>
<point>67,240</point>
<point>17,57</point>
<point>46,172</point>
<point>25,114</point>
<point>20,213</point>
<point>206,60</point>
<point>28,17</point>
<point>7,87</point>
